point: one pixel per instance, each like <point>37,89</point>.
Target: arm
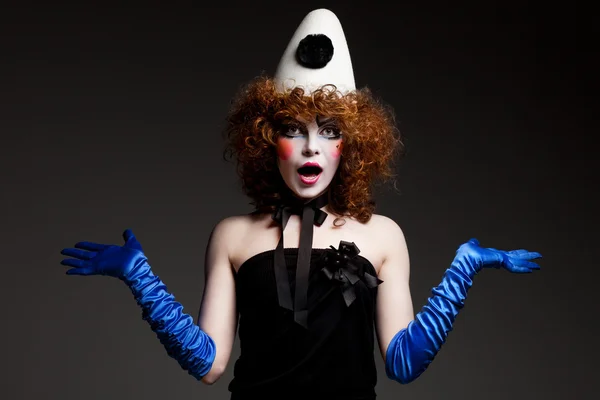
<point>193,348</point>
<point>409,345</point>
<point>394,302</point>
<point>218,315</point>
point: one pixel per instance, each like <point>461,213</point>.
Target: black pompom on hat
<point>314,51</point>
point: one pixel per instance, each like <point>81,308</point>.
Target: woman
<point>313,270</point>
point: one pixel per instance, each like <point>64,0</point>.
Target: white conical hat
<point>316,55</point>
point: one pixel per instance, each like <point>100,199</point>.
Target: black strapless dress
<point>333,358</point>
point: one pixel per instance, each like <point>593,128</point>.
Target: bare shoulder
<point>388,235</point>
<point>232,225</point>
<point>230,232</point>
<point>382,221</point>
<point>226,231</point>
<point>378,238</point>
<point>384,226</point>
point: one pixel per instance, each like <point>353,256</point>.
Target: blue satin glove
<point>182,338</point>
<point>413,348</point>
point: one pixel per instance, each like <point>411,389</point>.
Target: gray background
<point>111,118</point>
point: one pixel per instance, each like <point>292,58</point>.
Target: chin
<point>309,193</point>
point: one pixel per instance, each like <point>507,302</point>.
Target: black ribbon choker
<point>310,214</point>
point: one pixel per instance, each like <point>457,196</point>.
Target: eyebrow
<point>327,120</point>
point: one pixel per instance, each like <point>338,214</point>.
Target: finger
<point>81,254</point>
<point>73,262</point>
<point>526,267</point>
<point>521,260</point>
<point>90,246</point>
<point>525,264</point>
<point>80,271</point>
<point>520,270</point>
<point>525,254</point>
<point>131,241</point>
<point>531,255</point>
<point>474,241</point>
<point>128,235</point>
<point>516,253</point>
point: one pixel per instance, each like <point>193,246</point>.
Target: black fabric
<point>333,358</point>
<point>314,51</point>
<point>310,213</point>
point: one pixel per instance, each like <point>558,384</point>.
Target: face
<point>308,155</point>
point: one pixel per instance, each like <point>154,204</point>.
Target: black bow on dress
<point>340,267</point>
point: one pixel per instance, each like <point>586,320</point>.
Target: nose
<point>311,146</point>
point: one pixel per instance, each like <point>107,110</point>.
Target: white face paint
<point>308,155</point>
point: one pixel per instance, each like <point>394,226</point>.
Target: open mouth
<point>309,174</point>
<point>310,171</point>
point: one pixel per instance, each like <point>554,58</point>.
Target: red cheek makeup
<point>285,148</point>
<point>337,150</point>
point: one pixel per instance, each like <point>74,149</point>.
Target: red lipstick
<point>310,172</point>
<point>311,164</point>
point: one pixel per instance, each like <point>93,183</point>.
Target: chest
<point>264,237</point>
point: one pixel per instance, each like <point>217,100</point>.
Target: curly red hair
<point>371,142</point>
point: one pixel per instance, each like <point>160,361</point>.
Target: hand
<point>103,259</point>
<point>515,261</point>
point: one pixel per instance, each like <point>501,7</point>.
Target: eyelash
<point>336,134</point>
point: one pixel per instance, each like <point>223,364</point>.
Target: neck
<point>319,201</point>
